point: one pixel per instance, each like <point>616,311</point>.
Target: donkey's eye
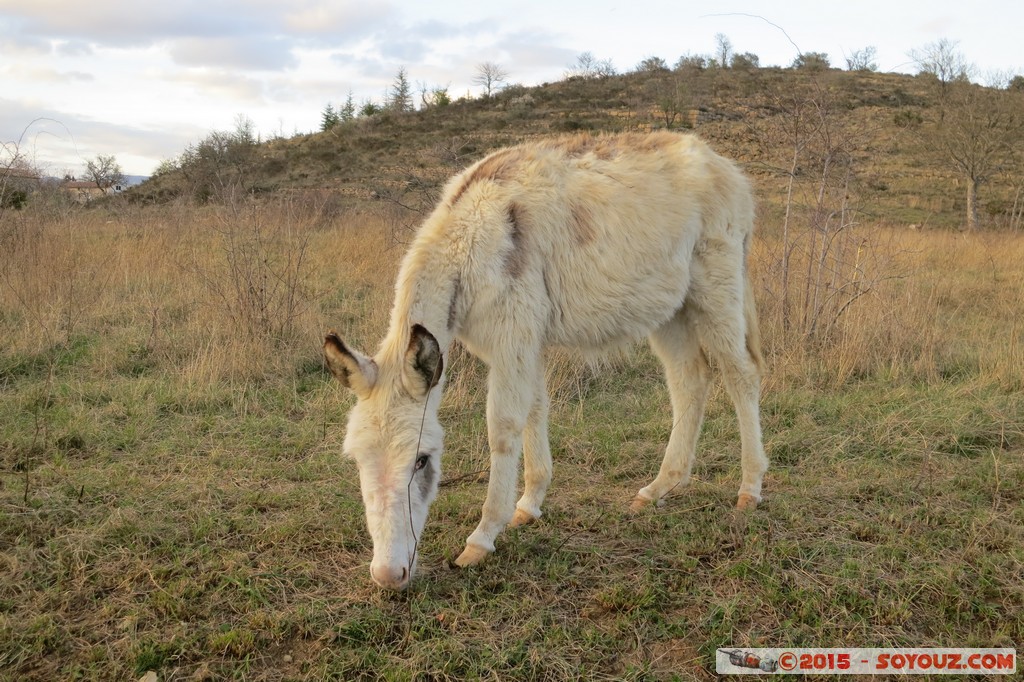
<point>421,462</point>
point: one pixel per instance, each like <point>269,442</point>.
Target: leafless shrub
<point>453,153</point>
<point>258,276</point>
<point>587,66</point>
<point>823,259</point>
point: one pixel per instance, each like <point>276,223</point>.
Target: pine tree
<point>348,111</point>
<point>400,95</point>
<point>329,118</point>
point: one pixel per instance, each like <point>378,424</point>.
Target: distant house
<point>85,191</point>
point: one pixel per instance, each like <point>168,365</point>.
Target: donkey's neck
<point>427,293</point>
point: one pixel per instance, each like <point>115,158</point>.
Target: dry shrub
<point>821,295</point>
<point>204,293</point>
<point>254,267</point>
<point>272,277</point>
<point>924,307</point>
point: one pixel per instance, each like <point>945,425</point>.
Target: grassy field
<point>172,496</point>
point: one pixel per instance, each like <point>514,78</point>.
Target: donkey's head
<point>396,441</point>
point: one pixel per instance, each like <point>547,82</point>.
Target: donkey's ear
<point>424,364</point>
<point>352,368</point>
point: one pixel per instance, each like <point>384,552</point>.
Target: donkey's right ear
<point>353,369</point>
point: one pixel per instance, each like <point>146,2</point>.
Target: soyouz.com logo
<point>847,661</point>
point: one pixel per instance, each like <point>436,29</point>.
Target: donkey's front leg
<point>536,456</point>
<point>510,395</point>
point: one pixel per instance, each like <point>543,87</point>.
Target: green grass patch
<point>227,542</point>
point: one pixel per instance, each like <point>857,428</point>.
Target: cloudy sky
<point>141,80</point>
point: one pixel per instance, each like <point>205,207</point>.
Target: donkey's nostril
<point>392,578</point>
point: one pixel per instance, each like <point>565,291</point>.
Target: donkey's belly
<point>596,310</point>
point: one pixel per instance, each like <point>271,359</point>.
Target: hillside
<point>877,130</point>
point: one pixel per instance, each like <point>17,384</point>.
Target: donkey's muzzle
<point>390,577</point>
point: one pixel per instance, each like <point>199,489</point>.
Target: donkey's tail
<point>750,319</point>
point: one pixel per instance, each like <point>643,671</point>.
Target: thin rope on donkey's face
<point>408,488</point>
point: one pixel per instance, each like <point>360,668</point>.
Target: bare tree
<point>489,76</point>
<point>105,171</point>
<point>245,130</point>
<point>723,50</point>
<point>862,59</point>
<point>977,131</point>
<point>671,96</point>
<point>824,263</point>
<point>589,66</point>
<point>942,60</point>
<point>223,164</point>
<point>978,128</point>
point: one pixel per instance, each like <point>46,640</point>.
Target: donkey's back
<point>598,240</point>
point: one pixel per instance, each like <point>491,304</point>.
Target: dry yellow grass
<point>929,300</point>
<point>167,283</point>
<point>213,292</point>
<point>234,292</point>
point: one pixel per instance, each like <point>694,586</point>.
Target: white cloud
<point>245,54</point>
<point>217,84</point>
<point>42,74</point>
<point>335,21</point>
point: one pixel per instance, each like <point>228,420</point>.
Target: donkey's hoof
<point>471,556</point>
<point>640,503</point>
<point>745,502</point>
<point>521,518</point>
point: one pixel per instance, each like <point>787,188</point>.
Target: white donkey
<point>585,243</point>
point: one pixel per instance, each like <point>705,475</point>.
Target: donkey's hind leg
<point>536,456</point>
<point>725,334</point>
<point>677,345</point>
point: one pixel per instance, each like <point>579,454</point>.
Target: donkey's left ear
<point>424,363</point>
